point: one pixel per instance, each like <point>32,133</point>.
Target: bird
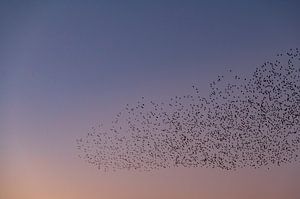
<point>244,122</point>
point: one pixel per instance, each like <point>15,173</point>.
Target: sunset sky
<point>68,65</point>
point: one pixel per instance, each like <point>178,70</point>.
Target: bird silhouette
<point>244,122</point>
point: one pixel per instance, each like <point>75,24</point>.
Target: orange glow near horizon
<point>38,177</point>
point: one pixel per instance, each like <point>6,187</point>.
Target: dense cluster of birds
<point>243,122</point>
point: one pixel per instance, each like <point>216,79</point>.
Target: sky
<point>68,65</point>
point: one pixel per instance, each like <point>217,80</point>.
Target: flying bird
<point>244,122</point>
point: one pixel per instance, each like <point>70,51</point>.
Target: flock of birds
<point>243,122</point>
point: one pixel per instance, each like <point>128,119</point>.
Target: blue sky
<point>68,65</point>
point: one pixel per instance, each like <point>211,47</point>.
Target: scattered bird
<point>244,122</point>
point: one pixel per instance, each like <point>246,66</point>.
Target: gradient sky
<point>68,65</point>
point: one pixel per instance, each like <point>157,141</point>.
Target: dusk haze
<point>149,99</point>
